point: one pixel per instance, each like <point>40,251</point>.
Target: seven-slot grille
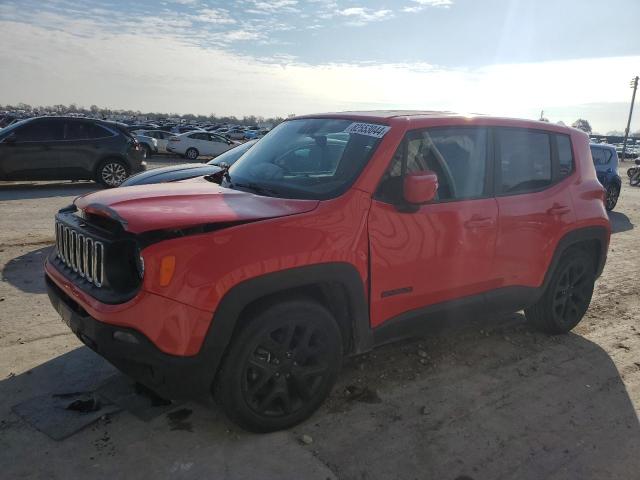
<point>83,254</point>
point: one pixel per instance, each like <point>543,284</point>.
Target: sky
<point>570,58</point>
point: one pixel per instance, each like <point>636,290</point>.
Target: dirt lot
<point>482,399</point>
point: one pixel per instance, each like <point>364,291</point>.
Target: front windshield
<point>316,158</point>
<point>231,156</point>
<point>6,131</point>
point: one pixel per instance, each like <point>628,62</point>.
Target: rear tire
<point>611,197</point>
<point>112,172</point>
<point>567,296</point>
<point>191,154</point>
<point>280,367</point>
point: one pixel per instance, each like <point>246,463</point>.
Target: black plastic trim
<point>171,376</point>
<point>235,301</point>
<point>598,234</point>
<point>500,301</point>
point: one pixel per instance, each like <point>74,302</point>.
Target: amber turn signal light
<point>167,268</point>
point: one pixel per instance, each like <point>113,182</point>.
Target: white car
<point>194,144</point>
<point>161,136</point>
<point>150,144</point>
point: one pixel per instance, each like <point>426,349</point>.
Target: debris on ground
<point>361,394</point>
<point>177,420</point>
<point>306,439</point>
<point>85,405</point>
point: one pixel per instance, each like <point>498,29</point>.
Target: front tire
<point>567,296</point>
<point>281,366</point>
<point>191,154</point>
<point>111,173</point>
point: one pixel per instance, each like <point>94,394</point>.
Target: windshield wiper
<point>254,187</point>
<point>223,174</point>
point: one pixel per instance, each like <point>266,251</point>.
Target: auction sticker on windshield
<point>368,129</point>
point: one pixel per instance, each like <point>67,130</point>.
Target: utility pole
<point>634,85</point>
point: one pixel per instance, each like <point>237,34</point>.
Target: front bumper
<point>140,167</point>
<point>174,377</point>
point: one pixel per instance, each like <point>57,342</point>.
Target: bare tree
<point>582,124</point>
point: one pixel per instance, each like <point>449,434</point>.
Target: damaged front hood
<point>172,206</point>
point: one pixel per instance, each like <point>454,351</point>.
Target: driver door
<point>32,151</point>
<point>444,250</point>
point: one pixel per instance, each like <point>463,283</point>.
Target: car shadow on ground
<point>620,222</point>
<point>25,272</point>
<point>484,399</point>
<point>34,190</point>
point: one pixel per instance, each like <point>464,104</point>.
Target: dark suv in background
<point>64,148</point>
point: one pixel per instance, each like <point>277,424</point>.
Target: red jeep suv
<point>334,234</point>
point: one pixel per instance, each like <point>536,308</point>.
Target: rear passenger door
<point>216,145</point>
<point>443,250</point>
<point>532,172</point>
<point>199,141</point>
<point>84,144</point>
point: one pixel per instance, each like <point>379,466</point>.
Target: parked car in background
<point>194,144</point>
<point>250,134</point>
<point>7,120</point>
<point>235,134</point>
<point>176,173</point>
<point>149,144</point>
<point>605,160</point>
<point>254,290</point>
<point>162,138</point>
<point>183,128</point>
<point>141,126</point>
<point>64,148</point>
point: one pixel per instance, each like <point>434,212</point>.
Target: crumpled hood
<point>181,205</point>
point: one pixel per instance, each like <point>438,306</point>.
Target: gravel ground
<point>482,399</point>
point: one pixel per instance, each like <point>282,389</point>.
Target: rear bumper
<point>130,351</point>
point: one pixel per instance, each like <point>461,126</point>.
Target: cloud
<point>274,6</point>
<point>419,5</point>
<point>47,66</point>
<point>213,15</point>
<point>361,16</point>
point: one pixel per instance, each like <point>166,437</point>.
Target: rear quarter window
<point>565,156</point>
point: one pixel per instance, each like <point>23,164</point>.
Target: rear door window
<point>77,131</point>
<point>598,155</point>
<point>524,160</point>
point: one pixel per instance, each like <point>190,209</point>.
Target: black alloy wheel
<point>281,366</point>
<point>567,296</point>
